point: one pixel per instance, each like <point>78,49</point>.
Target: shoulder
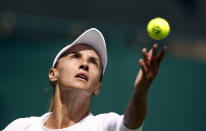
<point>21,124</point>
<point>108,115</point>
<point>106,121</point>
<point>112,122</point>
<point>103,118</point>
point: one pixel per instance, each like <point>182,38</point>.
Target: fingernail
<point>155,45</point>
<point>144,50</point>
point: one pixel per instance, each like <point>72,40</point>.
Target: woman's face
<point>80,68</point>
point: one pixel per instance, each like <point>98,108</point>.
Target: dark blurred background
<point>32,33</point>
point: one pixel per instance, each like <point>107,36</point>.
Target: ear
<point>53,74</point>
<point>97,90</point>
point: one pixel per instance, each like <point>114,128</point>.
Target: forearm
<point>135,113</point>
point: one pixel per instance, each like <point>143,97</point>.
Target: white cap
<point>93,38</point>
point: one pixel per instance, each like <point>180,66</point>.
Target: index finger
<point>161,55</point>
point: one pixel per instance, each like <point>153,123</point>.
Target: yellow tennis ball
<point>158,28</point>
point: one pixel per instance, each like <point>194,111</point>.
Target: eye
<point>75,56</point>
<point>93,61</point>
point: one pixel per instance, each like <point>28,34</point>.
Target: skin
<point>136,110</point>
<point>73,95</point>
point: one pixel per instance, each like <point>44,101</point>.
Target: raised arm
<point>135,113</point>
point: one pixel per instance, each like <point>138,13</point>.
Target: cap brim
<point>93,38</point>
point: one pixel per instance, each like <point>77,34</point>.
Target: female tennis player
<point>76,76</point>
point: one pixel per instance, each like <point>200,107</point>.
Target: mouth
<point>82,76</point>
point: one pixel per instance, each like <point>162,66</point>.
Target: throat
<point>69,108</point>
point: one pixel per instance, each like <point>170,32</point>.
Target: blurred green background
<point>32,35</point>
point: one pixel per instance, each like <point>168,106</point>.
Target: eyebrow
<point>74,53</point>
<point>80,54</point>
<point>67,53</point>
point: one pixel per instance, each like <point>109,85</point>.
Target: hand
<point>149,68</point>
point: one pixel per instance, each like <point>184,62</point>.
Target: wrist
<point>141,93</point>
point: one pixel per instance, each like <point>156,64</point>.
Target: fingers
<point>143,66</point>
<point>154,51</point>
<point>154,55</point>
<point>145,57</point>
<point>161,55</point>
<point>151,60</point>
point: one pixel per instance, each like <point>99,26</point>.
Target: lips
<point>82,76</point>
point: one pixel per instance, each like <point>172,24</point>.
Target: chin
<point>78,85</point>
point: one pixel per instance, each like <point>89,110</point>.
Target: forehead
<point>82,48</point>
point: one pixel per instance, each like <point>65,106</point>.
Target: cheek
<point>66,71</point>
<point>96,76</point>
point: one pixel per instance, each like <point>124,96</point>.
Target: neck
<point>70,106</point>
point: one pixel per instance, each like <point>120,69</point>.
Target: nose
<point>84,65</point>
